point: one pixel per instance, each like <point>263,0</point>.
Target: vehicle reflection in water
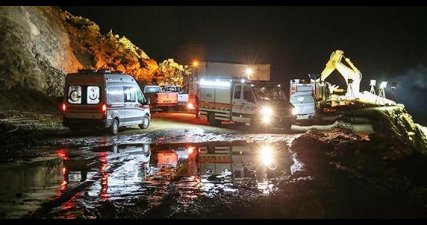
<point>243,165</point>
<point>128,170</point>
<point>85,178</point>
<point>115,170</point>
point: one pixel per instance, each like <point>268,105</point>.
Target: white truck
<point>261,104</point>
<point>182,96</point>
<point>301,96</point>
<point>160,99</point>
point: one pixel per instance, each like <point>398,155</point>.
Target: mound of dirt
<point>396,123</point>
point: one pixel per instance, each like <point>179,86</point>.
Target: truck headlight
<point>265,119</point>
<point>294,111</point>
<point>267,111</point>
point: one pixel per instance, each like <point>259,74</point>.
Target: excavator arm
<point>351,74</point>
<point>331,64</point>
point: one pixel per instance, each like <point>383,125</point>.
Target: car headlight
<point>294,111</point>
<point>267,111</point>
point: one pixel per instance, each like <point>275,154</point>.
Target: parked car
<point>105,100</point>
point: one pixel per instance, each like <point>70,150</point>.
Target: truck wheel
<point>114,129</point>
<point>145,123</point>
<point>212,121</point>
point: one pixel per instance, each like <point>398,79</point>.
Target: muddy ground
<point>182,168</point>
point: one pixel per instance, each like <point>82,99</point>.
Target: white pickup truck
<point>160,99</point>
<point>182,96</point>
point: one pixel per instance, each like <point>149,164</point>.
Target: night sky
<point>385,43</point>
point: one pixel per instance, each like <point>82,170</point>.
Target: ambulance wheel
<point>114,129</point>
<point>145,123</point>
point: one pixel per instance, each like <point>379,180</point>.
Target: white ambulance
<point>103,99</point>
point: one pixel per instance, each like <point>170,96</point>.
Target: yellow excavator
<point>351,74</point>
<point>324,91</point>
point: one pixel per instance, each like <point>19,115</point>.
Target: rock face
<point>42,44</point>
<point>35,51</point>
<point>94,50</point>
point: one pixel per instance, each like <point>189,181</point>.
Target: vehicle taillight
<point>156,95</point>
<point>190,150</point>
<point>64,107</point>
<point>190,106</point>
<point>104,108</point>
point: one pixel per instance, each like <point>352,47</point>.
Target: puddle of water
<point>127,174</point>
<point>25,186</point>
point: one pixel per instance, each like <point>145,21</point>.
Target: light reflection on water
<point>126,173</point>
<point>194,170</point>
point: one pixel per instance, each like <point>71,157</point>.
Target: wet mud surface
<point>183,168</point>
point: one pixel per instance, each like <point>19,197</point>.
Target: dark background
<point>385,43</point>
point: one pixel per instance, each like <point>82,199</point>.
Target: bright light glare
<point>300,99</point>
<point>216,83</point>
<point>190,106</point>
<point>195,63</point>
<point>266,155</point>
<point>190,150</point>
<point>266,119</point>
<point>267,111</point>
<point>249,71</point>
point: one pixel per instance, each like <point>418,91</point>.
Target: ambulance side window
<point>129,94</point>
<point>115,95</point>
<point>140,96</point>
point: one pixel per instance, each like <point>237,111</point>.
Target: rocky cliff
<point>39,45</point>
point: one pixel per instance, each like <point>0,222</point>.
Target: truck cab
<point>258,103</point>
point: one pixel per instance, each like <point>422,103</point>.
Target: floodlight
<point>383,84</point>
